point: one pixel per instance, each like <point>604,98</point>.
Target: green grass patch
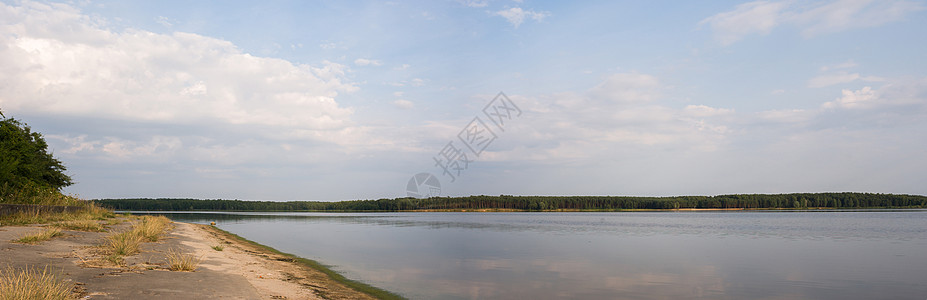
<point>353,284</point>
<point>218,247</point>
<point>41,236</point>
<point>33,193</point>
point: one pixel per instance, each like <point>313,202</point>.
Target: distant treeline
<point>749,201</point>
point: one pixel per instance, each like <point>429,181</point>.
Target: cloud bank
<point>761,17</point>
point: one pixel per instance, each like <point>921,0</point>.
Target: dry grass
<point>81,225</point>
<point>124,243</point>
<point>41,236</point>
<point>182,262</point>
<point>91,212</point>
<point>33,284</point>
<point>147,228</point>
<point>151,227</point>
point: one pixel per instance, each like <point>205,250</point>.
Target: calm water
<point>640,255</point>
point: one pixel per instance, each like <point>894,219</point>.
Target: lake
<point>618,255</point>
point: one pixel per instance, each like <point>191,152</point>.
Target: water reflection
<point>687,255</point>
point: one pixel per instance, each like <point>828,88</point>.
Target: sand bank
<point>242,270</point>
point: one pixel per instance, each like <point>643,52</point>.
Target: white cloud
<point>516,16</point>
<point>832,79</point>
<point>844,65</point>
<point>758,17</point>
<point>899,96</point>
<point>639,143</point>
<point>475,3</point>
<point>404,104</point>
<point>628,87</point>
<point>164,21</point>
<point>761,17</point>
<point>122,149</point>
<point>627,111</point>
<point>622,112</point>
<point>366,62</point>
<point>854,99</point>
<point>75,144</point>
<point>702,111</point>
<point>56,61</point>
<point>847,14</point>
<point>786,115</point>
<point>197,89</point>
<point>839,76</point>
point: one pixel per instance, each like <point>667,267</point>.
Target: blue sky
<point>334,100</point>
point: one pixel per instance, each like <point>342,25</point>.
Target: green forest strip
<point>355,285</point>
<point>538,203</point>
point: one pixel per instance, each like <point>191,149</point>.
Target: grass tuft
<point>41,236</point>
<point>218,247</point>
<point>122,244</point>
<point>33,284</point>
<point>182,262</point>
<point>148,228</point>
<point>151,227</point>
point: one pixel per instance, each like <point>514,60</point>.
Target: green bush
<point>29,174</point>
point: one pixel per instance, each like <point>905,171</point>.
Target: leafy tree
<point>25,160</point>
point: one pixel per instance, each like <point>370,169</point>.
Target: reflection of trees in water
<point>538,224</point>
<point>392,220</point>
<point>228,217</point>
<point>819,225</point>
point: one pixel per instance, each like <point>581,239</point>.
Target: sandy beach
<point>241,270</point>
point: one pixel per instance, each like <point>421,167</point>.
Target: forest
<point>538,203</point>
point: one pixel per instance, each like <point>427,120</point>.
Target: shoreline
<point>230,266</point>
<point>313,269</point>
<point>511,210</point>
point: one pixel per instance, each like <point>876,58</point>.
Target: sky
<point>340,100</point>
